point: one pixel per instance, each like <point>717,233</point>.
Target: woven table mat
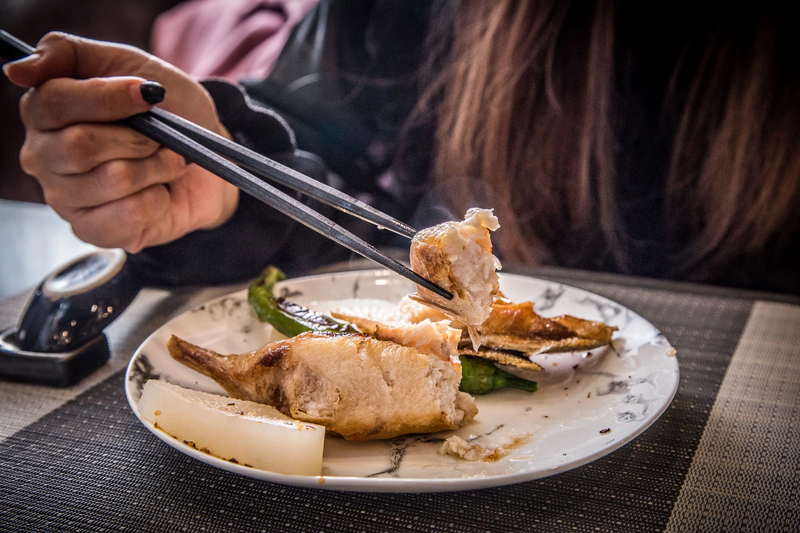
<point>745,475</point>
<point>90,465</point>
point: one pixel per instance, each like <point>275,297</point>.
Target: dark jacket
<point>335,107</point>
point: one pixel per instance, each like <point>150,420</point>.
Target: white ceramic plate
<point>586,407</point>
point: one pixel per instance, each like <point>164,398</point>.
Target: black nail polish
<point>152,92</point>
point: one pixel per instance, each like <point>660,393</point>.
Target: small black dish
<point>60,335</point>
<point>59,369</point>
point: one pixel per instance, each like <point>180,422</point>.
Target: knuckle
<point>28,159</point>
<point>112,178</point>
<point>25,104</point>
<point>117,175</point>
<point>78,142</point>
<point>53,37</point>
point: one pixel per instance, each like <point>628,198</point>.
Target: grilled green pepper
<point>287,317</point>
<point>479,376</point>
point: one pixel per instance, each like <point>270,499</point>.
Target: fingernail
<point>24,62</point>
<point>152,92</point>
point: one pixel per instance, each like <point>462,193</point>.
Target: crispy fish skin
<point>518,327</point>
<point>528,347</point>
<point>522,321</point>
<point>501,357</point>
<point>356,386</point>
<point>587,329</point>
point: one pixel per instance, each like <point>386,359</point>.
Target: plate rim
<point>395,485</point>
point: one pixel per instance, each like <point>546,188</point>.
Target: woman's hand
<point>115,187</point>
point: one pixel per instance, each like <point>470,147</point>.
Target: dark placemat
<point>90,465</point>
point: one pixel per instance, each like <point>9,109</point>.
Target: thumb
<point>60,55</point>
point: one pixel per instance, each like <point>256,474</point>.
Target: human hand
<point>116,187</point>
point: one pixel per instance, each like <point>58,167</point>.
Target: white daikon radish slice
<point>238,431</point>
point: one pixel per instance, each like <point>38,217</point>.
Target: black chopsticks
<point>12,48</point>
<point>149,125</point>
<point>267,168</point>
<point>206,149</point>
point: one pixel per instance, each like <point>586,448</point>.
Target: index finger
<point>60,55</point>
<point>63,102</point>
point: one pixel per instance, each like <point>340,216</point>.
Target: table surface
<point>724,456</point>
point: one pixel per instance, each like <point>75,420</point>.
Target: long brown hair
<point>524,103</point>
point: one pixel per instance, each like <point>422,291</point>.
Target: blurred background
<point>33,240</point>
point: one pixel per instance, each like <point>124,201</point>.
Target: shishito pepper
<point>287,317</point>
<point>479,376</point>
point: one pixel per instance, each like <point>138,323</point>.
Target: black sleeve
<point>256,235</point>
<point>341,89</point>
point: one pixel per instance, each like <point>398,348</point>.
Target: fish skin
<point>356,386</point>
<point>528,346</point>
<point>518,327</point>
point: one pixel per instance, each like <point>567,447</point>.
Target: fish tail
<point>205,361</point>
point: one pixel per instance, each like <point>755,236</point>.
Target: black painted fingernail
<point>152,92</point>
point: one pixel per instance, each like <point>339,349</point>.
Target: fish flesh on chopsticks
<point>458,257</point>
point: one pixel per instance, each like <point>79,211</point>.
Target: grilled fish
<point>354,385</point>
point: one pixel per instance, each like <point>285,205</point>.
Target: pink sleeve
<point>224,38</point>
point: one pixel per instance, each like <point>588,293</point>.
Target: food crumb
<point>546,416</point>
<point>157,412</point>
<point>232,403</point>
<point>672,352</point>
<point>604,431</point>
<point>575,367</point>
<point>589,395</point>
<point>472,451</point>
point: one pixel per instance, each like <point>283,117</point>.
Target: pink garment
<point>227,39</point>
